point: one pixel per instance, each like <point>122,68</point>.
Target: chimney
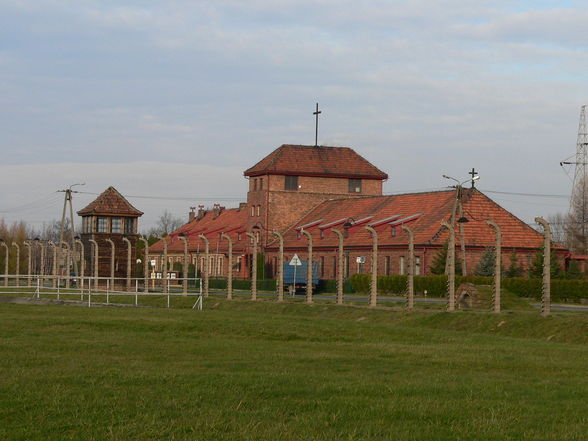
<point>242,206</point>
<point>191,215</point>
<point>217,210</point>
<point>201,212</point>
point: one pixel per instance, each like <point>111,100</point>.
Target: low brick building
<point>318,188</point>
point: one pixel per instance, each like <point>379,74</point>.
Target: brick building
<point>110,217</point>
<point>318,188</point>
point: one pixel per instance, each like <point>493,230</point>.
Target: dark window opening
<point>291,183</point>
<point>354,185</point>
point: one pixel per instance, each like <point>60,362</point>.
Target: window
<point>258,210</point>
<point>129,225</point>
<point>354,185</point>
<point>334,266</point>
<point>254,184</point>
<point>253,210</point>
<point>115,225</point>
<point>401,264</point>
<point>261,183</point>
<point>387,266</point>
<point>101,225</point>
<point>219,266</point>
<point>322,267</point>
<point>417,266</point>
<point>291,183</point>
<point>346,266</point>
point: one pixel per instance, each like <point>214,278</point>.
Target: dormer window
<point>354,185</point>
<point>291,183</point>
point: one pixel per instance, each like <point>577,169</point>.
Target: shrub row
<point>243,284</point>
<point>436,286</point>
<point>562,290</point>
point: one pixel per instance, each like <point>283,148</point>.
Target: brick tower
<point>293,179</point>
<point>110,216</point>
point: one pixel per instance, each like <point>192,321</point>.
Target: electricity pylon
<point>578,215</point>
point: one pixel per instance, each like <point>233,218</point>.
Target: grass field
<point>264,371</point>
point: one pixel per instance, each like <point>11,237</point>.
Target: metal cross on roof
<point>316,113</point>
<point>473,173</point>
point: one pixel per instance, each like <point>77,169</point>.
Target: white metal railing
<point>38,285</point>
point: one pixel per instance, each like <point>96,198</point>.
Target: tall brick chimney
<point>191,215</point>
<point>201,212</point>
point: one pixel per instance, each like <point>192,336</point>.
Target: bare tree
<point>166,224</point>
<point>577,219</point>
<point>558,223</point>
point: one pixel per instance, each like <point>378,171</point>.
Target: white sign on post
<point>296,261</point>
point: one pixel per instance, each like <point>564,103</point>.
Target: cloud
<point>422,87</point>
<point>30,191</point>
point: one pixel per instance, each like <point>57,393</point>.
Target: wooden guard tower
<point>112,217</point>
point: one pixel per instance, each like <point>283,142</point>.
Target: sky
<point>172,100</point>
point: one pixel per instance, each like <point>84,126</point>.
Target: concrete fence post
<point>496,288</point>
<point>206,269</point>
<point>308,268</point>
<point>340,265</point>
<point>229,267</point>
<point>451,268</point>
<point>280,266</point>
<point>546,297</point>
<point>253,237</point>
<point>374,278</point>
<point>410,277</point>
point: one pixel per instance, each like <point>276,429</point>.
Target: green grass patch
<point>245,370</point>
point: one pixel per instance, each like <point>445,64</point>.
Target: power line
<point>538,195</point>
<point>174,198</point>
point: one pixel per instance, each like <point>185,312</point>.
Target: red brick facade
<point>318,189</point>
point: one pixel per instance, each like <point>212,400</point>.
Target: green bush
<point>243,284</point>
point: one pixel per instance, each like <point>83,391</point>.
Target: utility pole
<point>68,200</point>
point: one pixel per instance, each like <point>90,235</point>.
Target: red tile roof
<point>110,202</point>
<point>433,207</point>
<point>229,221</point>
<point>303,160</point>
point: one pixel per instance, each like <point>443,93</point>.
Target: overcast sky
<point>177,98</point>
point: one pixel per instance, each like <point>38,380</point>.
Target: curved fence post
<point>308,268</point>
<point>410,277</point>
<point>229,267</point>
<point>496,288</point>
<point>374,278</point>
<point>451,268</point>
<point>546,297</point>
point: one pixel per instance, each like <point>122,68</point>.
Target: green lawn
<point>264,371</point>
